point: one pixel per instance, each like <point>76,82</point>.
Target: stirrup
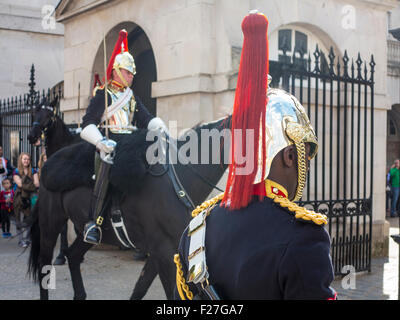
<point>93,226</point>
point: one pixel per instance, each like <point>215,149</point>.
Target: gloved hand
<point>106,145</point>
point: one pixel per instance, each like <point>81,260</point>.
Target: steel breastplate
<point>120,121</point>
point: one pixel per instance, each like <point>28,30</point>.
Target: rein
<point>206,181</point>
<point>168,167</point>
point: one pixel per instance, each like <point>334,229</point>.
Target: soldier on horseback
<point>121,113</point>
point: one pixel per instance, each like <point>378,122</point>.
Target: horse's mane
<point>225,123</point>
<point>58,135</point>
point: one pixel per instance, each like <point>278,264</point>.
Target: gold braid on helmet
<point>299,136</point>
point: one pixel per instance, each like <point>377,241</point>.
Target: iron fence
<point>339,99</point>
<point>16,120</point>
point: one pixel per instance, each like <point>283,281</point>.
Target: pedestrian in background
<point>6,206</point>
<point>395,186</point>
<point>6,170</point>
<point>27,181</point>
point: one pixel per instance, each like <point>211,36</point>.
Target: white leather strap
<point>197,251</point>
<point>122,101</point>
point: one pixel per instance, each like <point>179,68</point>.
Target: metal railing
<point>338,95</point>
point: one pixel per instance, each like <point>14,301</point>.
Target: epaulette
<point>301,213</point>
<point>97,88</point>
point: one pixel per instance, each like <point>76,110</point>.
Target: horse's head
<point>43,114</point>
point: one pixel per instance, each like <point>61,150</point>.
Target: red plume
<point>120,46</point>
<point>248,111</point>
<point>97,81</point>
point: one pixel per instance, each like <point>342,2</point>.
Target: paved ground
<point>382,282</point>
<point>107,274</point>
<point>111,274</point>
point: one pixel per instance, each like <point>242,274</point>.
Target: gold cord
<point>301,212</point>
<point>183,288</point>
<point>302,171</point>
<point>207,204</point>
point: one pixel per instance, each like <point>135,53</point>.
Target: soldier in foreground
<point>253,241</point>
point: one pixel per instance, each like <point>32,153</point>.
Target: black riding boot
<point>92,232</point>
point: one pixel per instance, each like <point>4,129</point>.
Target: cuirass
<point>121,120</point>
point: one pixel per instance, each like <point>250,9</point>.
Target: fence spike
<point>345,64</point>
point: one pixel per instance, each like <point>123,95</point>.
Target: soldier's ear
<point>289,156</point>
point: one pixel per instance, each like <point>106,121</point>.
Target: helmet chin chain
<point>302,171</point>
<point>124,82</point>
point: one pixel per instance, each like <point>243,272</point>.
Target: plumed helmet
<point>286,123</point>
<point>125,61</point>
<point>121,58</point>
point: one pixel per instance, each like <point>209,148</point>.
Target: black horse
<point>56,136</point>
<point>48,123</point>
<point>154,226</point>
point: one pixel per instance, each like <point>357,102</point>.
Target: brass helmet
<point>287,123</point>
<point>125,61</point>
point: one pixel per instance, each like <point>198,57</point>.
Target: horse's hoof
<point>82,297</point>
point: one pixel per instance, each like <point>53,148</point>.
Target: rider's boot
<point>92,232</point>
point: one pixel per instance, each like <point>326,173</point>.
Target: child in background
<point>6,206</point>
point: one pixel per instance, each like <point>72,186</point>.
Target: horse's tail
<point>33,262</point>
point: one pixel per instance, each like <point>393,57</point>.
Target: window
<point>392,128</point>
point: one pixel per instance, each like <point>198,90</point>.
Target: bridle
<point>43,128</point>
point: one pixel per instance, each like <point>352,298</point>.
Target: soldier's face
<point>128,76</point>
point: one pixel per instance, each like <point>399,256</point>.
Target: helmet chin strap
<point>123,80</point>
<point>302,171</point>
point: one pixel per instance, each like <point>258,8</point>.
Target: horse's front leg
<point>75,254</point>
<point>148,274</point>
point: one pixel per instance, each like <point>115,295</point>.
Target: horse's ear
<point>44,102</point>
<point>54,102</point>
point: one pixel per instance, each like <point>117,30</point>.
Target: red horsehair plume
<point>249,111</point>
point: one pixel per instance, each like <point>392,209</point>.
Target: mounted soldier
<point>121,113</point>
<point>258,243</point>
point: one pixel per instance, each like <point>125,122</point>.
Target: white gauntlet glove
<point>157,124</point>
<point>92,135</point>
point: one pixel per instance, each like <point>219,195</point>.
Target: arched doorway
<point>141,50</point>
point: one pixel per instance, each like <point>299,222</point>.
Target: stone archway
<point>142,51</point>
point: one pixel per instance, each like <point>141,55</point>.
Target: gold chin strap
<point>302,171</point>
<point>121,77</point>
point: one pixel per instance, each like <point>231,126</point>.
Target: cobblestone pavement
<point>111,274</point>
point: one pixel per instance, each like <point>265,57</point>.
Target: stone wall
<point>23,42</point>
